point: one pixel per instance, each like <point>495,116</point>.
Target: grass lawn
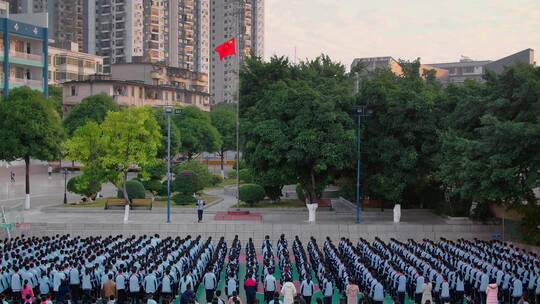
<point>289,203</point>
<point>161,203</point>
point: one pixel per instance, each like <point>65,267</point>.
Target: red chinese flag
<point>228,48</point>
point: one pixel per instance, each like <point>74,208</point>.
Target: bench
<point>137,202</point>
<point>114,202</point>
<point>325,203</point>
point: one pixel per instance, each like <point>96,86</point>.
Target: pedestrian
<point>492,293</point>
<point>27,293</point>
<point>200,209</point>
<point>12,176</point>
<point>210,284</point>
<point>427,292</point>
<point>49,171</point>
<point>352,292</point>
<point>288,290</point>
<point>234,299</point>
<point>250,286</point>
<point>307,289</point>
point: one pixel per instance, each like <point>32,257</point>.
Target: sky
<point>434,30</point>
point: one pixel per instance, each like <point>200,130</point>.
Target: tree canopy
<point>91,108</point>
<point>299,123</point>
<point>30,128</point>
<point>196,131</point>
<point>127,138</point>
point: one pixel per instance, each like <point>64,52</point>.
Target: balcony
<point>26,59</point>
<point>19,82</point>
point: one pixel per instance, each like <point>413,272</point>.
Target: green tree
<point>91,108</point>
<point>29,128</point>
<point>224,120</point>
<point>198,134</point>
<point>300,124</point>
<point>491,154</point>
<point>125,138</point>
<point>400,139</point>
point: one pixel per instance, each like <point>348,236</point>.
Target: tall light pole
<point>360,112</point>
<point>169,111</point>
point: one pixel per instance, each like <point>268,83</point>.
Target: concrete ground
<point>47,216</point>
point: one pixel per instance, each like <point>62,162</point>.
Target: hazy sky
<point>434,30</point>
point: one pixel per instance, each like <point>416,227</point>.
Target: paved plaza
<point>48,216</point>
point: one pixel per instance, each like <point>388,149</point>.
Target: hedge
<point>135,189</point>
<point>251,193</point>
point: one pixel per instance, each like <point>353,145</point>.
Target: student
<point>121,286</point>
<point>151,299</point>
<point>187,295</point>
<point>269,287</point>
<point>210,283</point>
<point>419,289</point>
<point>135,287</point>
<point>231,286</point>
<point>234,299</point>
<point>218,298</point>
<point>307,289</point>
<point>166,285</point>
<point>275,299</point>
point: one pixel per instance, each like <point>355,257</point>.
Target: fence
<point>12,220</point>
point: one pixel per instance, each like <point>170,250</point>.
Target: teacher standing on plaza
<point>200,208</point>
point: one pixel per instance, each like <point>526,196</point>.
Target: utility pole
<point>238,12</point>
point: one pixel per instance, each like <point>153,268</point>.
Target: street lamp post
<point>65,186</point>
<point>360,112</point>
<point>169,112</point>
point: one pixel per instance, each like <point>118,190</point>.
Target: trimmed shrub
<point>154,185</point>
<point>216,179</point>
<point>135,189</point>
<point>80,186</point>
<point>245,176</point>
<point>183,199</point>
<point>251,193</point>
<point>187,182</point>
<point>199,169</point>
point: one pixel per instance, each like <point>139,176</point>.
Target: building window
<point>73,91</point>
<point>468,70</point>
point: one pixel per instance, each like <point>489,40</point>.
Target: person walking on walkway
<point>200,209</point>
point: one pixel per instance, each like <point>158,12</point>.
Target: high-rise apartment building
<point>187,39</point>
<point>173,32</point>
<point>65,17</point>
<point>125,31</point>
<point>244,20</point>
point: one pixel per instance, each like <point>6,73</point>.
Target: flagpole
<point>238,106</point>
